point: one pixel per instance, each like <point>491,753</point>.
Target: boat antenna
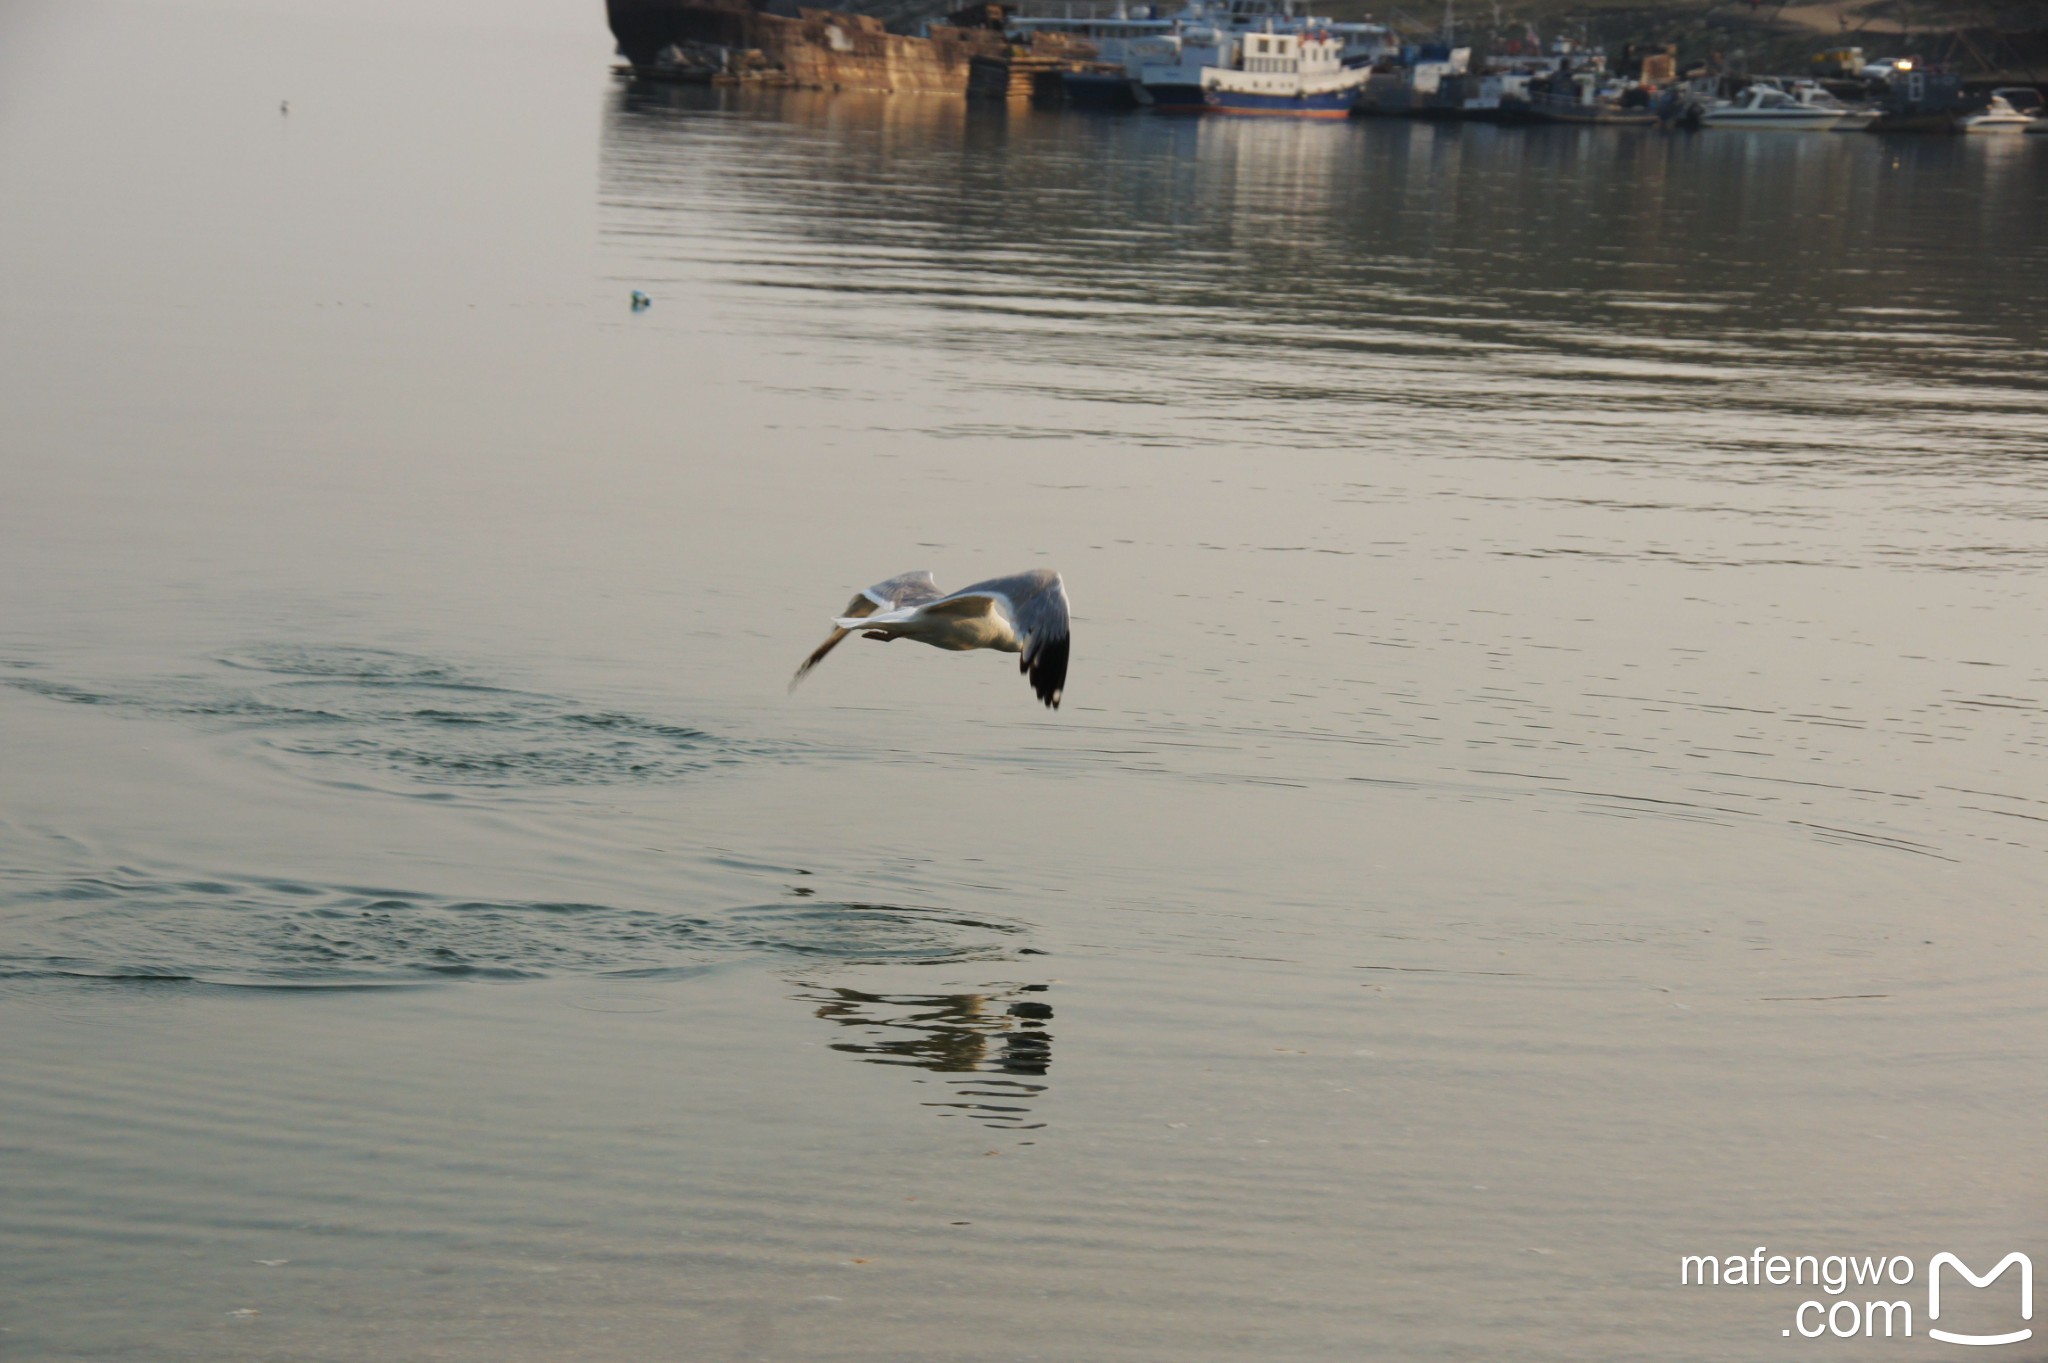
<point>1450,25</point>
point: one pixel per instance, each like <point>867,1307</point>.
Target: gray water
<point>1551,779</point>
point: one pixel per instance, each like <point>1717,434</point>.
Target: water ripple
<point>132,925</point>
<point>415,717</point>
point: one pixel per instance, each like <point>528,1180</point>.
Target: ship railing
<point>1556,103</point>
<point>1083,11</point>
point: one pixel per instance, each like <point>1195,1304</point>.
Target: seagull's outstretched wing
<point>1036,603</point>
<point>905,589</point>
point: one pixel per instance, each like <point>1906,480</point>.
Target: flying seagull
<point>1024,614</point>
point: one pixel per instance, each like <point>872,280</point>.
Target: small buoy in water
<point>284,106</point>
<point>640,300</point>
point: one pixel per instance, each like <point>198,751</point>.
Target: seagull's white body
<point>983,624</point>
<point>1026,614</point>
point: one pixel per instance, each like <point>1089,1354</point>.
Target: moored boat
<point>1812,93</point>
<point>814,49</point>
<point>1921,101</point>
<point>1107,82</point>
<point>1102,86</point>
<point>1426,81</point>
<point>1285,75</point>
<point>1209,34</point>
<point>1169,67</point>
<point>1763,106</point>
<point>2012,110</point>
<point>1582,101</point>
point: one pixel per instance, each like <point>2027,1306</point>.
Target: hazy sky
<point>52,40</point>
<point>569,16</point>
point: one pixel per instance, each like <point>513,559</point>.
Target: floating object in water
<point>284,106</point>
<point>640,301</point>
<point>1025,614</point>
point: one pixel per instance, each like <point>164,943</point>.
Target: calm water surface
<point>1552,778</point>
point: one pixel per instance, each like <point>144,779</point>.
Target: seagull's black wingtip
<point>1048,669</point>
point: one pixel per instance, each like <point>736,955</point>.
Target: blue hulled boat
<point>1210,35</point>
<point>1298,74</point>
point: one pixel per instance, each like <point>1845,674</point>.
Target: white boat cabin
<point>1305,54</point>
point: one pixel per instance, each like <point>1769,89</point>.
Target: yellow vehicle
<point>1845,62</point>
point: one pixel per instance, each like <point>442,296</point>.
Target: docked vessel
<point>1522,83</point>
<point>1582,99</point>
<point>1420,82</point>
<point>1286,75</point>
<point>1169,67</point>
<point>1762,106</point>
<point>1105,87</point>
<point>1923,102</point>
<point>2013,110</point>
<point>1108,82</point>
<point>1854,117</point>
<point>814,49</point>
<point>1211,35</point>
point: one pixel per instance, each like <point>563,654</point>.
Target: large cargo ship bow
<point>815,49</point>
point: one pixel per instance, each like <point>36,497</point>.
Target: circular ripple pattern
<point>416,718</point>
<point>130,925</point>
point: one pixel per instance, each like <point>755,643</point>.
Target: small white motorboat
<point>2012,110</point>
<point>1854,117</point>
<point>1764,106</point>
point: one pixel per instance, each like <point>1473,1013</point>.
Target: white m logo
<point>1934,1296</point>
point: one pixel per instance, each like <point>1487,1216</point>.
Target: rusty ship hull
<point>814,49</point>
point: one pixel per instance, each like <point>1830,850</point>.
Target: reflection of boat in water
<point>2012,110</point>
<point>1287,75</point>
<point>998,1037</point>
<point>1762,106</point>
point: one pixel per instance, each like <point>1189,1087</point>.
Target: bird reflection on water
<point>1002,1032</point>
